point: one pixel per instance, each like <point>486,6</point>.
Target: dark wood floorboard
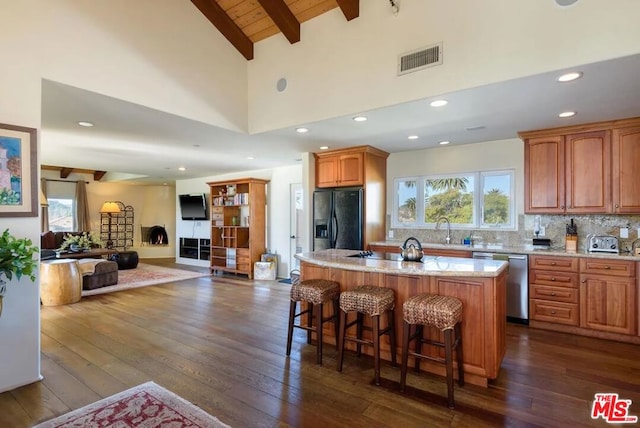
<point>219,342</point>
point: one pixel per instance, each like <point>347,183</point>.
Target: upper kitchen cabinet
<point>626,160</point>
<point>583,169</point>
<point>354,166</point>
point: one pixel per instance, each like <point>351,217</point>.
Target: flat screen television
<point>193,207</point>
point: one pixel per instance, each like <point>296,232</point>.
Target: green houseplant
<point>83,240</point>
<point>16,258</point>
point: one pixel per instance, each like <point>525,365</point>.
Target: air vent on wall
<point>420,59</point>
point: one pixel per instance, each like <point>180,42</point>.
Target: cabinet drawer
<point>565,264</point>
<point>608,267</point>
<point>556,312</point>
<point>556,294</point>
<point>556,279</point>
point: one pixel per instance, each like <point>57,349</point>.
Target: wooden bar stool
<point>316,292</point>
<point>443,313</point>
<point>373,301</point>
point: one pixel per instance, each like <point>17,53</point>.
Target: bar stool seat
<point>443,313</point>
<point>372,301</point>
<point>315,292</point>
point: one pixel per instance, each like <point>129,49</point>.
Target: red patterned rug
<point>147,405</point>
<point>143,276</point>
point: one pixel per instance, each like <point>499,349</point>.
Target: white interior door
<point>295,227</point>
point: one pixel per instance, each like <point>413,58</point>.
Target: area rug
<point>148,405</point>
<point>143,276</point>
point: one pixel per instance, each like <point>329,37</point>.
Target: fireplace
<point>155,235</point>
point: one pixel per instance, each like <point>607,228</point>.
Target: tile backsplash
<point>555,229</point>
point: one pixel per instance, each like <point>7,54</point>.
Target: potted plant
<point>80,242</point>
<point>16,258</point>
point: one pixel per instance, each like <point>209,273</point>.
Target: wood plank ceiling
<point>245,22</point>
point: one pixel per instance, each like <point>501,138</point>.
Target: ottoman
<point>126,259</point>
<point>98,273</point>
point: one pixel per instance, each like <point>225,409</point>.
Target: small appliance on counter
<point>571,238</point>
<point>603,244</point>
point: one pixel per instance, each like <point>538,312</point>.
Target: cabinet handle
<point>553,294</point>
<point>617,206</point>
<point>584,281</point>
<point>553,263</point>
<point>607,267</point>
<point>553,312</point>
<point>553,278</point>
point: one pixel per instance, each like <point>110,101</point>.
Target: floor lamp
<point>110,207</point>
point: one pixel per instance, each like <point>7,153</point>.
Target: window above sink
<point>476,200</point>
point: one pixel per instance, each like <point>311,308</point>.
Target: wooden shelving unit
<point>238,225</point>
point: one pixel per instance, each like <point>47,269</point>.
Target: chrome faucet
<point>448,238</point>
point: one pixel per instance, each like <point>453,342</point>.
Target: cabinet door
<point>327,171</point>
<point>607,304</point>
<point>588,172</point>
<point>351,169</point>
<point>544,169</point>
<point>626,162</point>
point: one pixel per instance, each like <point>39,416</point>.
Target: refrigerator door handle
<point>334,229</point>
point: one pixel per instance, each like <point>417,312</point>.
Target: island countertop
<point>479,284</point>
<point>428,266</point>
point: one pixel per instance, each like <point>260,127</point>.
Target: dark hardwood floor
<point>219,342</point>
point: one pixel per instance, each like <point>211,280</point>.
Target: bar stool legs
<point>373,301</point>
<point>444,313</point>
<point>315,293</point>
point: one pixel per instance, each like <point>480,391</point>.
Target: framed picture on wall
<point>18,171</point>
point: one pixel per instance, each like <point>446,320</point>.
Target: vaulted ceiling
<point>245,22</point>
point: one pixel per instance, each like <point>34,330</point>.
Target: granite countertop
<point>429,266</point>
<point>521,249</point>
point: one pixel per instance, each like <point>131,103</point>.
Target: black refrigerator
<point>338,219</point>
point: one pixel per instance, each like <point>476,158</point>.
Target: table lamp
<point>110,207</point>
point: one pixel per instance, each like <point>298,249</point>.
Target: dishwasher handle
<point>517,257</point>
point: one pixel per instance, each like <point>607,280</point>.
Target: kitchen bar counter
<point>430,265</point>
<point>511,249</point>
<point>479,284</point>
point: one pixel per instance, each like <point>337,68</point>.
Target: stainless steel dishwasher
<point>517,284</point>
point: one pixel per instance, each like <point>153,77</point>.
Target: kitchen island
<point>479,284</point>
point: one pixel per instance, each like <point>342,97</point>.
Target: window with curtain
<point>61,210</point>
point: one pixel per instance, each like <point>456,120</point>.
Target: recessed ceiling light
<point>439,103</point>
<point>567,114</point>
<point>250,157</point>
<point>475,128</point>
<point>181,168</point>
<point>444,143</point>
<point>324,147</point>
<point>360,118</point>
<point>568,77</point>
<point>302,130</point>
<point>412,137</point>
<point>85,124</point>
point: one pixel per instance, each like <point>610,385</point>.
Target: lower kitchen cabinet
<point>608,295</point>
<point>591,296</point>
<point>553,290</point>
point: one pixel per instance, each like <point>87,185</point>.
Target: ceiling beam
<point>350,8</point>
<point>282,16</point>
<point>218,17</point>
<point>64,172</point>
<point>97,175</point>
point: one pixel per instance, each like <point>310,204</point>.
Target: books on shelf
<point>237,199</point>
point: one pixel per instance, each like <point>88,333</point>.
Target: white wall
<point>152,205</point>
<point>278,210</point>
<point>491,155</point>
<point>341,67</point>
